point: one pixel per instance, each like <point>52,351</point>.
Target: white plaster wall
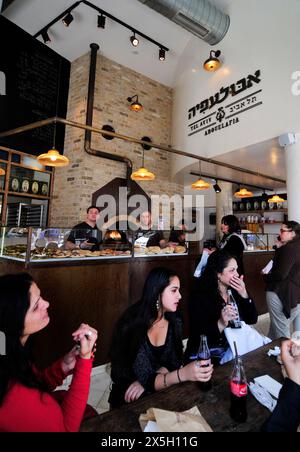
<point>263,34</point>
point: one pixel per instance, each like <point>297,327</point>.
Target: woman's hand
<point>134,391</point>
<point>69,360</point>
<point>197,371</point>
<point>162,370</point>
<point>86,337</point>
<point>228,313</point>
<point>237,283</point>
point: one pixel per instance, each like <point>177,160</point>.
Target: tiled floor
<point>100,381</point>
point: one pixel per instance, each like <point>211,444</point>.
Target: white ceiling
<point>265,158</point>
<point>74,41</point>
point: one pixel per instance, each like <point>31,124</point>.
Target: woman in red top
<point>26,403</point>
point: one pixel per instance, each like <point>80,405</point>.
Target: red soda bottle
<point>238,392</point>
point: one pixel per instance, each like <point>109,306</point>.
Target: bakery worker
<point>86,235</point>
<point>178,236</point>
<point>146,236</point>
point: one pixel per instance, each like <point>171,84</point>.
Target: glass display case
<point>260,242</point>
<point>29,244</point>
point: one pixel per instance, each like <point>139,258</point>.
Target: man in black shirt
<point>151,238</point>
<point>86,235</point>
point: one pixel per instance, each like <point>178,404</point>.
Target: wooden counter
<point>98,292</point>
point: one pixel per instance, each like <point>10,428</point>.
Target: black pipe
<point>89,119</point>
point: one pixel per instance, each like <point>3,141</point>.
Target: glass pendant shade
<point>142,174</point>
<point>276,198</point>
<point>200,184</point>
<point>53,158</point>
<point>243,193</point>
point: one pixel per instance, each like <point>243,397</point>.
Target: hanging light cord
<point>57,101</point>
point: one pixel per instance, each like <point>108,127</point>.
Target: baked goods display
<point>39,253</point>
<point>155,250</point>
<point>49,244</point>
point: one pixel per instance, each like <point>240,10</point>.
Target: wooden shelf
<point>258,212</point>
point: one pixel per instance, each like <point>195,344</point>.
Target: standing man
<point>86,235</point>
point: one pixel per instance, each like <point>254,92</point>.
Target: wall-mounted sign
<point>209,117</point>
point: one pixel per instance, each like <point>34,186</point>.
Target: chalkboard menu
<point>34,86</point>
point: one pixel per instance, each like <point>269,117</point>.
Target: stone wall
<point>74,184</point>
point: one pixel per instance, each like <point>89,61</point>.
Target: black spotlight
<point>67,19</point>
<point>45,36</point>
<point>134,40</point>
<point>217,187</point>
<point>101,21</point>
<point>162,54</point>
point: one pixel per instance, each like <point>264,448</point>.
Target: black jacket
<point>234,246</point>
<point>205,308</point>
<point>286,416</point>
<point>284,278</point>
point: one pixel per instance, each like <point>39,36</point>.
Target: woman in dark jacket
<point>146,353</point>
<point>209,311</point>
<point>232,241</point>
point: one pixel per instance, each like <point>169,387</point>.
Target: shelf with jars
<point>257,215</point>
<point>25,188</point>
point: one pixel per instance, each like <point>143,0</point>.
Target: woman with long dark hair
<point>26,402</point>
<point>146,353</point>
<point>232,241</point>
<point>209,310</point>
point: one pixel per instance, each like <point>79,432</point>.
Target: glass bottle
<point>236,323</point>
<point>238,392</point>
<point>204,355</point>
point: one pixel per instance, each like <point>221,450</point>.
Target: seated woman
<point>146,353</point>
<point>26,402</point>
<point>209,311</point>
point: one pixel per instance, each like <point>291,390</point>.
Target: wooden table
<point>214,404</point>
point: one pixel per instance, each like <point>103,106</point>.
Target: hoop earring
<point>158,304</point>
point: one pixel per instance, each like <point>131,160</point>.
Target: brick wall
<point>74,184</point>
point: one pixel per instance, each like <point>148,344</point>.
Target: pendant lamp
<point>276,198</point>
<point>53,157</point>
<point>243,193</point>
<point>142,173</point>
<point>200,184</point>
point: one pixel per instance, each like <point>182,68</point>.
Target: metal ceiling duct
<point>199,17</point>
<point>4,4</point>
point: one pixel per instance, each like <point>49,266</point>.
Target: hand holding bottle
<point>197,371</point>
